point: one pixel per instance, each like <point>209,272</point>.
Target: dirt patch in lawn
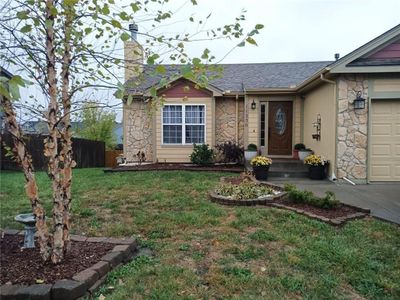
<point>332,213</point>
<point>26,266</point>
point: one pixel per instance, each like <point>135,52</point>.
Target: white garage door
<point>385,140</point>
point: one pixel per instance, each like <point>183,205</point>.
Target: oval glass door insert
<point>280,121</point>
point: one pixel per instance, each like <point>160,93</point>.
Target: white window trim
<point>183,124</point>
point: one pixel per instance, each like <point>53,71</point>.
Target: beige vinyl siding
<point>253,121</point>
<point>387,85</point>
<point>180,153</point>
<point>321,101</point>
<point>297,120</point>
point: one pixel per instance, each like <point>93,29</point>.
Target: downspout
<point>322,77</point>
<point>237,119</point>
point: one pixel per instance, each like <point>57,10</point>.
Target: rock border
<point>269,201</point>
<point>336,221</point>
<point>84,283</point>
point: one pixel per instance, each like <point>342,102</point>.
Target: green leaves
<point>27,28</point>
<point>125,36</point>
<point>116,24</point>
<point>9,88</point>
<point>23,15</point>
<point>152,58</point>
<point>250,40</point>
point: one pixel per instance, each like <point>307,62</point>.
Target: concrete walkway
<point>383,199</point>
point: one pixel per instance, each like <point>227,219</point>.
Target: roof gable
<point>184,88</point>
<point>379,55</point>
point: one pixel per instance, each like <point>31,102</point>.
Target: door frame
<point>264,149</point>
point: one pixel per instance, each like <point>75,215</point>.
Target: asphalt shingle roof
<point>237,77</point>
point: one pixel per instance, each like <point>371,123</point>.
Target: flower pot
<point>304,153</point>
<point>261,172</point>
<point>295,154</point>
<point>248,156</point>
<point>317,172</point>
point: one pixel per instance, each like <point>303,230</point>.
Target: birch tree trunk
<point>51,145</point>
<point>24,160</point>
<point>66,141</point>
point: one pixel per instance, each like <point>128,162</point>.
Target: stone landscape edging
<point>83,283</point>
<point>250,202</point>
<point>336,221</point>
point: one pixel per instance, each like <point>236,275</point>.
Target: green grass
<point>204,250</point>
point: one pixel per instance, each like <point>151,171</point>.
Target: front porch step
<point>288,168</point>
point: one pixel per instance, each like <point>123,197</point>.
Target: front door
<point>280,116</point>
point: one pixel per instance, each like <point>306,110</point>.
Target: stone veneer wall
<point>225,120</point>
<point>352,129</point>
<point>138,131</point>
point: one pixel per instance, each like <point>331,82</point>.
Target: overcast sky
<point>295,30</point>
<point>298,30</point>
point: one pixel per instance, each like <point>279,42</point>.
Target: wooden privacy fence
<point>111,158</point>
<point>87,153</point>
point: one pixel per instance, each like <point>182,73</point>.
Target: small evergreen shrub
<point>299,146</point>
<point>298,196</point>
<point>230,152</point>
<point>252,147</point>
<point>202,155</point>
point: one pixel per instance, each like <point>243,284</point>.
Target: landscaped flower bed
<point>246,191</point>
<point>24,276</point>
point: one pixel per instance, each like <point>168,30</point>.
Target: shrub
<point>299,146</point>
<point>202,155</point>
<point>298,196</point>
<point>231,152</point>
<point>252,147</point>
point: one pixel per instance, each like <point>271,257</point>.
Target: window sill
<point>176,145</point>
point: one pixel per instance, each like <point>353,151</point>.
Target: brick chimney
<point>133,55</point>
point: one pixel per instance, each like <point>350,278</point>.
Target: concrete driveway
<point>383,199</point>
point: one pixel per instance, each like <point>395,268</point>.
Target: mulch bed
<point>176,166</point>
<point>332,213</point>
<point>26,266</point>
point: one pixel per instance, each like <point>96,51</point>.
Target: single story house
<point>347,110</point>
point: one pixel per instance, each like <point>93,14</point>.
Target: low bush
<point>298,196</point>
<point>252,147</point>
<point>244,191</point>
<point>230,152</point>
<point>202,155</point>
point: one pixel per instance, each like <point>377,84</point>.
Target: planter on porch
<point>317,172</point>
<point>304,153</point>
<point>261,172</point>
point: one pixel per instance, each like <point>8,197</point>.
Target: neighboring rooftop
<point>239,77</point>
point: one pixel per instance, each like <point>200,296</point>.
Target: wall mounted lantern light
<point>253,105</point>
<point>359,102</point>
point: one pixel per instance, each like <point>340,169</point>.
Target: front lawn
<point>204,250</point>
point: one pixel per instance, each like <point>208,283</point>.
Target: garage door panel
<point>381,129</point>
<point>381,150</point>
<point>385,140</point>
<point>397,171</point>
